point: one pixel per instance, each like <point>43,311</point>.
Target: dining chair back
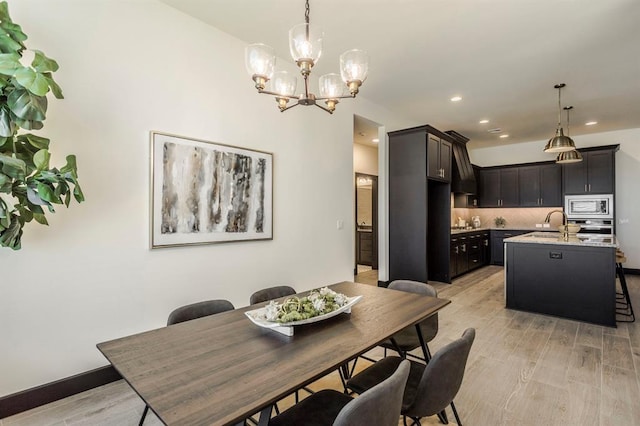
<point>407,339</point>
<point>379,406</point>
<point>199,310</point>
<point>271,293</point>
<point>430,388</point>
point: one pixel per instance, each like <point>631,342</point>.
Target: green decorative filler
<point>500,221</point>
<point>26,177</point>
<point>318,302</point>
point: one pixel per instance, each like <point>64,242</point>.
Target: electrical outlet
<point>340,224</point>
<point>623,221</point>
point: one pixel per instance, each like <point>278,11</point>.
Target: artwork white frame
<point>205,192</point>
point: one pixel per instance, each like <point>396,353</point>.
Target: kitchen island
<point>571,277</point>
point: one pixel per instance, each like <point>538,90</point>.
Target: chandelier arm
<point>289,107</point>
<point>335,97</point>
<point>323,108</point>
<point>267,92</point>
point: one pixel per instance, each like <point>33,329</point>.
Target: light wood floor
<point>524,369</point>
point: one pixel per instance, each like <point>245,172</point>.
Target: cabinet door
<point>489,188</point>
<point>486,249</point>
<point>433,157</point>
<point>550,185</point>
<point>497,251</point>
<point>463,255</point>
<point>509,187</point>
<point>574,177</point>
<point>529,186</point>
<point>600,173</point>
<point>445,159</point>
<point>453,258</point>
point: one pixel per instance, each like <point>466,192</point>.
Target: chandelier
<point>559,142</point>
<point>573,156</point>
<point>305,44</point>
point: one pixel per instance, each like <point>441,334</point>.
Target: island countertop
<point>583,240</point>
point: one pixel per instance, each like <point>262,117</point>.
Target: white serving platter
<point>258,317</point>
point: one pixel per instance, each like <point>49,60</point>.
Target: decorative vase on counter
<point>500,221</point>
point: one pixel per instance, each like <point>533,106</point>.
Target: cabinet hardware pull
<point>589,187</point>
<point>464,248</point>
<point>457,250</point>
<point>585,188</point>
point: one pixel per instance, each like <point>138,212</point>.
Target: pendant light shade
<point>573,156</point>
<point>560,142</point>
<point>567,157</point>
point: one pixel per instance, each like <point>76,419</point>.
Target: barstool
<point>623,301</point>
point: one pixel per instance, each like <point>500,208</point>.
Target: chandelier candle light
<point>305,44</point>
<point>559,142</point>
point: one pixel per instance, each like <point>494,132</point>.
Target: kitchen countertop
<point>512,228</point>
<point>583,240</point>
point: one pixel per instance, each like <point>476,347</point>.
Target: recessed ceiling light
<point>504,136</point>
<point>376,140</point>
<point>456,99</point>
<point>495,130</point>
<point>590,123</point>
<point>483,121</point>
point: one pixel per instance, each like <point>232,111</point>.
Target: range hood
<point>463,180</point>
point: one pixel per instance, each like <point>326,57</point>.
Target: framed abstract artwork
<point>204,192</point>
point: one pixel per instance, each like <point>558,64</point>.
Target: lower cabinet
<point>468,252</point>
<point>364,248</point>
<point>497,244</point>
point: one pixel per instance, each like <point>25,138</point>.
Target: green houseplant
<point>28,183</point>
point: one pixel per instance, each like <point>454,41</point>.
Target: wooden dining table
<point>221,369</point>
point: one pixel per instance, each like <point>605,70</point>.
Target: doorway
<point>366,223</point>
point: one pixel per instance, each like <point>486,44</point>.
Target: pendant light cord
<point>306,12</point>
<point>559,107</point>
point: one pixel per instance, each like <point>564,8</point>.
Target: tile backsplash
<point>515,217</point>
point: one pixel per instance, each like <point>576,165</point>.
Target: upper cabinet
<point>595,174</point>
<point>499,187</point>
<point>540,185</point>
<point>438,158</point>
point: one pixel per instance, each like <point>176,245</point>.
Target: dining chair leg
<point>455,413</point>
<point>144,414</point>
<point>423,345</point>
<point>442,415</point>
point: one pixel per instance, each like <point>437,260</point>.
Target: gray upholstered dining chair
<point>430,388</point>
<point>271,293</point>
<point>408,339</point>
<point>379,406</point>
<point>191,312</point>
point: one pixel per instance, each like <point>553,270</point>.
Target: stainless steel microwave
<point>596,206</point>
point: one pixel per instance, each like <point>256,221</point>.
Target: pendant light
<point>559,142</point>
<point>573,156</point>
<point>305,45</point>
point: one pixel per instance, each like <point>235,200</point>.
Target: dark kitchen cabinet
<point>540,185</point>
<point>364,248</point>
<point>486,247</point>
<point>468,251</point>
<point>459,255</point>
<point>497,244</point>
<point>499,187</point>
<point>419,208</point>
<point>595,174</point>
<point>438,158</point>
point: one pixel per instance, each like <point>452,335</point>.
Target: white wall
<point>128,67</point>
<point>365,159</point>
<point>627,177</point>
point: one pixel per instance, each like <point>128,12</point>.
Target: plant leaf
<point>43,64</point>
<point>41,159</point>
<point>5,183</point>
<point>40,218</point>
<point>7,126</point>
<point>26,105</point>
<point>35,141</point>
<point>10,237</point>
<point>47,194</point>
<point>9,63</point>
<point>8,44</point>
<point>55,89</point>
<point>34,198</point>
<point>33,81</point>
<point>13,167</point>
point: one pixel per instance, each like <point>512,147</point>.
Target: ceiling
<point>503,57</point>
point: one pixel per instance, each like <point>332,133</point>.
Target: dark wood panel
<point>179,370</point>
